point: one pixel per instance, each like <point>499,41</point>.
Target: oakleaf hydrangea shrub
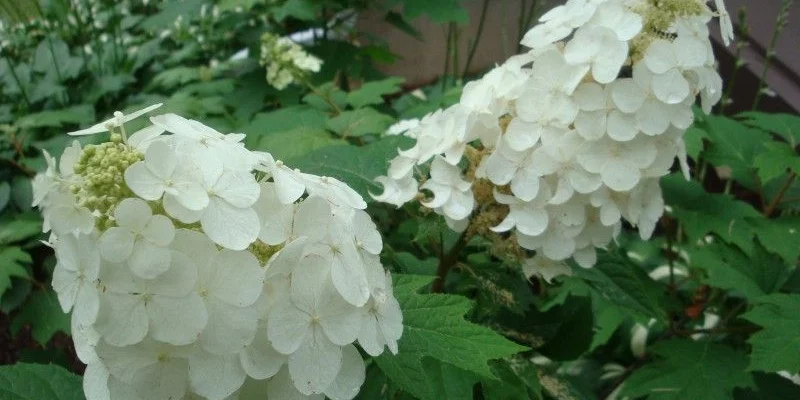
<point>195,268</point>
<point>549,152</point>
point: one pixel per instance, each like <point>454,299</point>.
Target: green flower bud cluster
<point>658,16</point>
<point>102,168</point>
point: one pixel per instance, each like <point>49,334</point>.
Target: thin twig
<point>477,40</point>
<point>782,192</point>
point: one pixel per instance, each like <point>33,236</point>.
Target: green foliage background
<point>729,240</point>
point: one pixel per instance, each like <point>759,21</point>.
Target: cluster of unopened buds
<point>286,61</point>
<point>565,141</point>
<point>195,268</point>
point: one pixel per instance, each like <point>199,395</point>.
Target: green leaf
<point>434,327</point>
<point>733,144</point>
<point>76,115</point>
<point>693,137</point>
<point>769,387</point>
<point>53,58</point>
<point>15,297</point>
<point>295,142</point>
<point>22,192</point>
<point>43,312</point>
<point>779,235</point>
<point>12,264</point>
<point>396,19</point>
<point>229,5</point>
<point>440,11</point>
<point>701,212</point>
<point>170,11</point>
<point>410,264</point>
<point>755,275</point>
<point>360,122</point>
<point>305,10</point>
<point>283,119</point>
<point>574,332</point>
<point>175,77</point>
<point>109,84</point>
<point>776,161</point>
<point>625,285</point>
<point>689,370</point>
<point>448,382</point>
<point>518,380</point>
<point>17,82</point>
<point>326,94</point>
<point>39,382</point>
<point>47,89</point>
<point>372,93</point>
<point>356,166</point>
<point>5,195</point>
<point>785,125</point>
<point>777,346</point>
<point>19,227</point>
<point>606,324</point>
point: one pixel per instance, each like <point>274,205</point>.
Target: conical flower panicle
<point>566,140</point>
<point>188,277</point>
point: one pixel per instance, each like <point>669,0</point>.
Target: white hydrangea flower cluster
<point>195,268</point>
<point>286,61</point>
<point>565,141</point>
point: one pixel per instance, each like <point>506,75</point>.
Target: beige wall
<point>423,61</point>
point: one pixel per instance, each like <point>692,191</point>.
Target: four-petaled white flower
<point>160,175</point>
<point>312,327</point>
<point>140,238</point>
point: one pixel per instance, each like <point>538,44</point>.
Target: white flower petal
<point>116,244</point>
<point>671,87</point>
<point>288,327</point>
<point>148,260</point>
<point>176,321</point>
<point>122,320</point>
<point>315,364</point>
<point>95,382</point>
<point>288,186</point>
<point>237,278</point>
<point>230,329</point>
<point>175,209</point>
<point>215,377</point>
<point>133,214</point>
<point>178,280</point>
<point>351,376</point>
<point>627,96</point>
<point>620,176</point>
<point>228,226</point>
<point>159,230</point>
<point>144,183</point>
<point>260,360</point>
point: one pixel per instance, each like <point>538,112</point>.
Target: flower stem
<point>447,261</point>
<point>19,83</point>
<point>780,24</point>
<point>324,97</point>
<point>773,205</point>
